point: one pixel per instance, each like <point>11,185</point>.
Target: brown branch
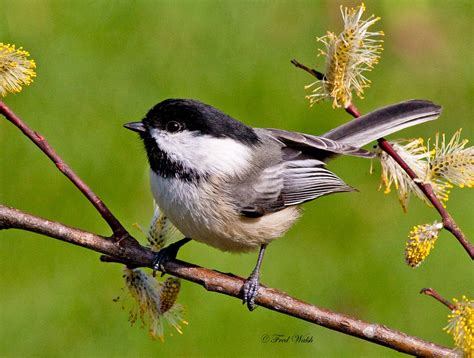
<point>119,231</point>
<point>353,111</point>
<point>431,292</point>
<point>138,256</point>
<point>311,71</point>
<point>448,222</point>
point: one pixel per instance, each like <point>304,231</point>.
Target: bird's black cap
<point>196,116</point>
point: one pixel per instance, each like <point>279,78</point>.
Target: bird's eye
<point>174,126</point>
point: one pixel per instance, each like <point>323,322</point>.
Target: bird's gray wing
<point>288,183</point>
<point>315,147</point>
<point>305,180</point>
<point>262,194</point>
<point>297,175</point>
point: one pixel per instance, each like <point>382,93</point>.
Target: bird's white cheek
<point>221,155</point>
<point>204,153</point>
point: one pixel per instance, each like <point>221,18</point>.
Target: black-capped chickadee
<point>237,188</point>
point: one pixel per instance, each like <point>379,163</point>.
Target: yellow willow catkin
<point>348,56</point>
<point>16,70</point>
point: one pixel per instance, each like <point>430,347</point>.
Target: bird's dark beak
<point>135,126</point>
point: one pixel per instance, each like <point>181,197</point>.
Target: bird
<point>237,188</point>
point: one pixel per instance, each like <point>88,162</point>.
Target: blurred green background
<point>103,63</point>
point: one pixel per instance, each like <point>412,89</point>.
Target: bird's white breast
<point>204,212</point>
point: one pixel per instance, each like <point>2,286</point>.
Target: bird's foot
<point>250,290</point>
<point>167,254</point>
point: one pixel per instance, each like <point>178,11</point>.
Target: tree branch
<point>448,222</point>
<point>138,256</point>
<point>311,71</point>
<point>119,231</point>
<point>431,292</point>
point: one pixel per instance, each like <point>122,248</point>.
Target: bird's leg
<point>166,254</point>
<point>252,284</point>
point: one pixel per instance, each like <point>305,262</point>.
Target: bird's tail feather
<point>384,121</point>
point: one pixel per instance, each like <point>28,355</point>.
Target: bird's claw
<point>167,254</point>
<point>250,290</point>
<point>161,258</point>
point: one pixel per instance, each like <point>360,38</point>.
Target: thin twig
<point>119,231</point>
<point>353,111</point>
<point>431,292</point>
<point>139,256</point>
<point>311,71</point>
<point>448,222</point>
